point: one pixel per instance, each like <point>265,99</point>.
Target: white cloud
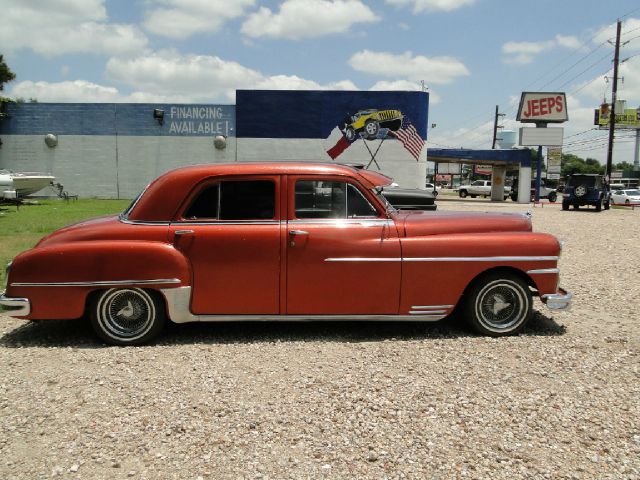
<point>522,53</point>
<point>82,91</point>
<point>183,18</point>
<point>404,86</point>
<point>299,19</point>
<point>439,70</point>
<point>65,26</point>
<point>432,5</point>
<point>608,32</point>
<point>203,78</point>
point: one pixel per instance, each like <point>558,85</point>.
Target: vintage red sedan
<point>283,241</point>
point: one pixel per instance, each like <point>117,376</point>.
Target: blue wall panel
<point>314,114</point>
<point>134,119</point>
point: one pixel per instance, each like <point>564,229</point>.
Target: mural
<point>337,120</point>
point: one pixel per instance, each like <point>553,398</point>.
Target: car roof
<point>163,196</point>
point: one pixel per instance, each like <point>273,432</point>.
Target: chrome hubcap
<point>126,313</point>
<point>501,305</point>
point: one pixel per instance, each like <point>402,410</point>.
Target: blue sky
<point>471,54</point>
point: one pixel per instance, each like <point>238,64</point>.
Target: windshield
<point>133,203</point>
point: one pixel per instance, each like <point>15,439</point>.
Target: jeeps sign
<point>543,107</point>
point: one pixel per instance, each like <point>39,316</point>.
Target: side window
<point>235,200</point>
<point>323,199</point>
<point>357,205</point>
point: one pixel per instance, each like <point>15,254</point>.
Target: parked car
<point>545,192</point>
<point>283,241</point>
<point>411,198</point>
<point>585,189</point>
<point>626,197</point>
<point>479,188</point>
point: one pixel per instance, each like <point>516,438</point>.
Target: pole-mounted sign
<point>542,108</point>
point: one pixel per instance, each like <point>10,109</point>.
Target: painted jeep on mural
<point>283,241</point>
<point>369,122</point>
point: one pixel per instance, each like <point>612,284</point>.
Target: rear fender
<point>58,279</point>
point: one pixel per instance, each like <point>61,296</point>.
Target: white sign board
<point>554,160</point>
<point>543,107</point>
<point>553,176</point>
<point>449,168</point>
<point>531,136</point>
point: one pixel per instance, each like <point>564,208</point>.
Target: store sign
<point>629,119</point>
<point>554,160</point>
<point>531,136</point>
<point>543,107</point>
<point>553,176</point>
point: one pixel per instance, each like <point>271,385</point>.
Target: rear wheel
<point>498,304</point>
<point>565,205</point>
<point>463,194</point>
<point>599,205</point>
<point>127,316</point>
<point>553,196</point>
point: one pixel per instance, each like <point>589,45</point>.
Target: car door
<point>343,254</point>
<point>230,231</point>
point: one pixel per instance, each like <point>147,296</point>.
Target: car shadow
<point>78,333</point>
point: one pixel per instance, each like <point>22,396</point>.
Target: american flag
<point>410,138</point>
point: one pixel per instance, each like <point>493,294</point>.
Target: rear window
<point>588,181</point>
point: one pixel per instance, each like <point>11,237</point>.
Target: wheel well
<point>504,270</point>
<point>93,294</point>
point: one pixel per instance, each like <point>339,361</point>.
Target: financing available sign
<point>554,160</point>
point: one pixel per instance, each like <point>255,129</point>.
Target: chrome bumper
<point>558,301</point>
<point>15,307</point>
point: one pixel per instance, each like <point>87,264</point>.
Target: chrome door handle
<point>183,232</point>
<point>298,232</point>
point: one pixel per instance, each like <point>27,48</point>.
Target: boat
<point>24,183</point>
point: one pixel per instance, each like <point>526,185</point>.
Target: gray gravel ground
<point>346,400</point>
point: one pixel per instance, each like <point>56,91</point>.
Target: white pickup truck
<point>479,188</point>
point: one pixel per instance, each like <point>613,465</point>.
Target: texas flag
<point>338,143</point>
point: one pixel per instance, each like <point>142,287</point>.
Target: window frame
<point>208,182</point>
<point>377,213</point>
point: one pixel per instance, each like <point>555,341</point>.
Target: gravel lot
<point>346,400</point>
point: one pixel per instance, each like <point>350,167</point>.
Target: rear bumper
<point>15,307</point>
<point>558,301</point>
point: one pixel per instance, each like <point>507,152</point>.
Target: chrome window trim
<point>366,222</point>
<point>227,222</point>
<point>543,271</point>
<point>443,259</point>
<point>159,281</point>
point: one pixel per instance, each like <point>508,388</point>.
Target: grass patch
<point>21,229</point>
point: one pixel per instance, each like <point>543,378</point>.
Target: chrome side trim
<point>432,318</point>
<point>179,299</point>
<point>344,221</point>
<point>106,283</point>
<point>543,271</point>
<point>15,307</point>
<point>429,307</point>
<point>443,259</point>
<point>141,222</point>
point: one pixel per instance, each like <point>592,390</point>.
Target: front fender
<point>57,279</point>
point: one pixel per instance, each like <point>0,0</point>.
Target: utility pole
<point>614,97</point>
<point>496,127</point>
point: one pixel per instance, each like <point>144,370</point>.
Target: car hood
<point>431,223</point>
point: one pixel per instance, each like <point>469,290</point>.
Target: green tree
<point>6,75</point>
<point>573,164</point>
<point>625,166</point>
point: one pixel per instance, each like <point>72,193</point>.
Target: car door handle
<point>183,232</point>
<point>298,232</point>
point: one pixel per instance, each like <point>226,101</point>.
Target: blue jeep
<point>586,189</point>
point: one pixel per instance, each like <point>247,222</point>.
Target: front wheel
<point>127,316</point>
<point>463,194</point>
<point>498,304</point>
